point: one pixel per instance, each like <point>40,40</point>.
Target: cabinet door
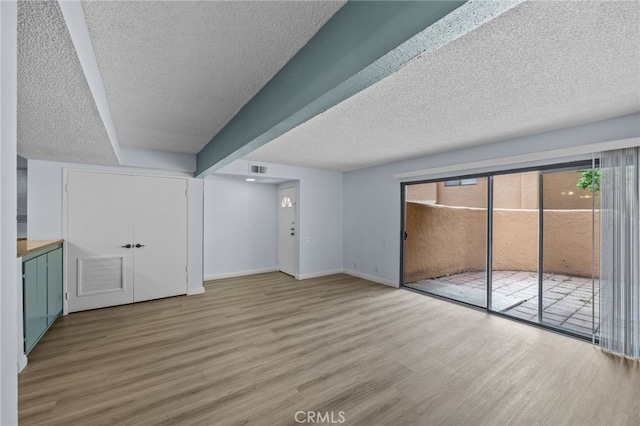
<point>35,300</point>
<point>160,228</point>
<point>54,285</point>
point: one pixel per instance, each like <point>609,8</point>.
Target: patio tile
<point>584,313</point>
<point>558,311</point>
<point>586,325</point>
<point>529,309</point>
<point>567,301</point>
<point>547,316</point>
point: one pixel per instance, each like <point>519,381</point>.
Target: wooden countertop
<point>26,247</point>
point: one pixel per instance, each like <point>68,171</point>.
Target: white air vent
<point>253,168</point>
<point>100,275</point>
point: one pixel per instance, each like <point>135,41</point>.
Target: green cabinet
<point>54,285</point>
<point>42,293</point>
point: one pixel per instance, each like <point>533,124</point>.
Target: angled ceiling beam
<point>77,26</point>
<point>343,58</point>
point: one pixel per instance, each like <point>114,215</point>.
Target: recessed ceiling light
<point>250,180</point>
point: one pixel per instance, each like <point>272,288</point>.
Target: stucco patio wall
<point>446,240</point>
<point>511,191</point>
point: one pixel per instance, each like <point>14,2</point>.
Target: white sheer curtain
<point>620,251</point>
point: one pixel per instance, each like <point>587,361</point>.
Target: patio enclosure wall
<point>518,191</point>
<point>454,240</point>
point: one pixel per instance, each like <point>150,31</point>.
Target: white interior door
<point>99,223</point>
<point>160,237</point>
<point>287,257</point>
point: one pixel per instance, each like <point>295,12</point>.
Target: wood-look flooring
<point>256,350</point>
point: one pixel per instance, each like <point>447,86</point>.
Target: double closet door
<point>126,239</point>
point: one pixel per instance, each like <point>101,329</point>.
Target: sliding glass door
<point>514,257</point>
<point>569,250</point>
<point>446,239</point>
<point>538,231</point>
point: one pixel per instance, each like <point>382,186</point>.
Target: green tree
<point>589,180</point>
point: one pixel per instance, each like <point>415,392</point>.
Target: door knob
<point>127,246</point>
<point>139,245</point>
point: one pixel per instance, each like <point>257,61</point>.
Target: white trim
<point>121,171</point>
<point>286,185</point>
<point>186,233</point>
<point>22,362</point>
<point>319,274</point>
<point>515,159</point>
<point>377,280</point>
<point>240,273</point>
<point>65,245</point>
<point>192,291</point>
<point>296,186</point>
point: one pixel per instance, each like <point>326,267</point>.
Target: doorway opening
<point>524,243</point>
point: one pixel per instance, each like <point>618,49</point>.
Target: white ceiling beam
<point>79,32</point>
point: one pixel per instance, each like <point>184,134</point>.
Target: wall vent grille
<point>100,275</point>
<point>254,168</point>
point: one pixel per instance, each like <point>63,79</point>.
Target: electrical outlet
<point>355,265</point>
<point>376,269</point>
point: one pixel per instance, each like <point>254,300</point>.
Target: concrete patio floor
<point>567,301</point>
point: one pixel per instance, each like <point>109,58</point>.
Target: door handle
<point>127,246</point>
<point>139,245</point>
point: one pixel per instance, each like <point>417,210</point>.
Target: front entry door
<point>287,258</point>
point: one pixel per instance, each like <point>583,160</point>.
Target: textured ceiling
<point>539,67</point>
<point>176,72</point>
<point>57,117</point>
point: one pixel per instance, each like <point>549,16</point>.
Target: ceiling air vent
<point>257,169</point>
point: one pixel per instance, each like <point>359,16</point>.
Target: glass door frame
<point>403,234</point>
<point>587,164</point>
<point>575,165</point>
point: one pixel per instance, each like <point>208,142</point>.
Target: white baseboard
<point>377,280</point>
<point>372,278</point>
<point>318,274</point>
<point>239,273</point>
<point>193,291</point>
<point>22,362</point>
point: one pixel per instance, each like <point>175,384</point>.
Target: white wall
<point>8,210</point>
<point>156,159</point>
<point>22,201</point>
<point>320,199</point>
<point>372,211</point>
<point>196,240</point>
<point>239,228</point>
<point>372,225</point>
